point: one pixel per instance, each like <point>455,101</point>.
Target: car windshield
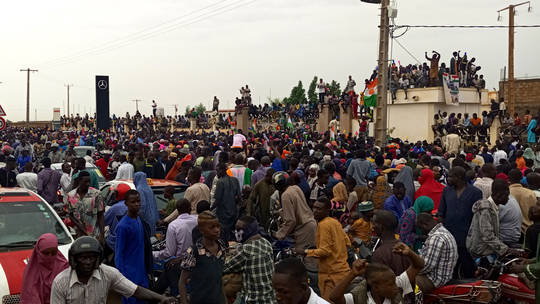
<point>101,178</point>
<point>81,152</point>
<point>161,201</point>
<point>22,223</point>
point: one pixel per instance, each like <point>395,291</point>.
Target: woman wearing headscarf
<point>148,213</point>
<point>312,174</point>
<point>408,233</point>
<point>45,263</point>
<point>429,187</point>
<point>405,176</point>
<point>529,154</point>
<point>531,135</point>
<point>381,192</point>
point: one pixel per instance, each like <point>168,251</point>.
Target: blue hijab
<point>148,212</point>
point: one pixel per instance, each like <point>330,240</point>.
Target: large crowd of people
<point>437,210</point>
<point>431,75</point>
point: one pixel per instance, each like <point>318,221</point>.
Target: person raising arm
<point>381,283</point>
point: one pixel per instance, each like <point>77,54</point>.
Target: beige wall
<point>412,119</point>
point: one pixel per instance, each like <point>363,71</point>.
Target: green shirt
<point>171,206</point>
<point>94,181</point>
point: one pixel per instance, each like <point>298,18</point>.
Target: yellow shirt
<point>360,229</point>
<point>332,243</point>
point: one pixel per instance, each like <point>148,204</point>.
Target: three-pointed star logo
<point>102,84</point>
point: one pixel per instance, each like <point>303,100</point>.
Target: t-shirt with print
<point>86,209</point>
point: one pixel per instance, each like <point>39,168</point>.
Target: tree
<point>335,88</point>
<point>200,109</point>
<point>298,94</point>
<point>275,101</point>
<point>312,95</point>
<point>188,109</point>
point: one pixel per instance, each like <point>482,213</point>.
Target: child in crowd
<point>203,264</point>
<point>361,226</point>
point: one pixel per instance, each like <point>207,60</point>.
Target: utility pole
<point>511,13</point>
<point>381,123</point>
<point>136,101</point>
<point>28,70</point>
<point>68,86</point>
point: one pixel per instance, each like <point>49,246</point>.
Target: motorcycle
<point>466,291</point>
<point>514,290</point>
<point>282,251</point>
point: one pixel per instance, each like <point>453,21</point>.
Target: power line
<point>131,35</point>
<point>147,34</point>
<point>466,26</point>
<point>407,51</point>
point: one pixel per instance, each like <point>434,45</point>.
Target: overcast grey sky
<point>268,44</point>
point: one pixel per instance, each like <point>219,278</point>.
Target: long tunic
<point>227,192</point>
<point>332,243</point>
<point>129,253</point>
<point>297,218</point>
<point>531,136</point>
<point>259,202</point>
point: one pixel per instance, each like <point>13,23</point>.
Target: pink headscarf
<point>41,270</point>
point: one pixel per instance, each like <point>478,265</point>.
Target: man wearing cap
<point>362,226</point>
<point>87,280</point>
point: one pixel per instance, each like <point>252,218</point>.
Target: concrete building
<point>411,119</point>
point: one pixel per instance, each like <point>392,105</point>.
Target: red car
<point>24,217</point>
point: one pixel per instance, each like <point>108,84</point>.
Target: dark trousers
<point>168,278</point>
<point>321,98</point>
<point>465,266</point>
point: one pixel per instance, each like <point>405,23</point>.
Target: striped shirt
<point>440,254</point>
<point>67,289</point>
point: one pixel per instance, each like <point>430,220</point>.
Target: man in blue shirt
<point>455,210</point>
<point>399,202</point>
<point>130,252</point>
